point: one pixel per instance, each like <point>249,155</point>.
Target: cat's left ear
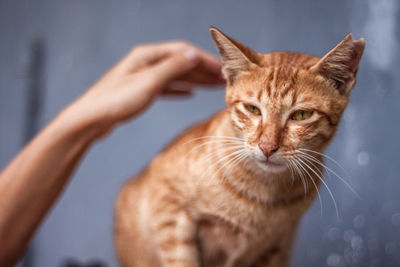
<point>236,57</point>
<point>340,65</point>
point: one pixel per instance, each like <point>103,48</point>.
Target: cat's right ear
<point>340,65</point>
<point>236,57</point>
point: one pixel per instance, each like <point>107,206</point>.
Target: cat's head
<point>284,104</point>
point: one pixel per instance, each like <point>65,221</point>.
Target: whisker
<point>214,137</point>
<point>223,158</point>
<point>208,156</point>
<point>310,157</point>
<point>235,154</point>
<point>212,154</point>
<point>228,143</point>
<point>326,185</point>
<point>236,161</point>
<point>324,155</point>
<point>316,159</point>
<point>315,185</point>
<point>289,165</point>
<point>300,173</point>
<point>313,165</point>
<point>217,142</point>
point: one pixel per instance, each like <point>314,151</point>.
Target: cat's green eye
<point>253,109</point>
<point>301,115</point>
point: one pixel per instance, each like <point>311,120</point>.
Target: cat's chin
<point>270,166</point>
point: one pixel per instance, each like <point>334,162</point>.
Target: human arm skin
<point>33,180</point>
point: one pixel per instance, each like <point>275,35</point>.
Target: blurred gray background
<point>51,51</point>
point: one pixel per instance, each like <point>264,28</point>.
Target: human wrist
<point>82,121</point>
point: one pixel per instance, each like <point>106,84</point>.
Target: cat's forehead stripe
<point>278,83</point>
<point>288,84</point>
<point>288,59</point>
<point>265,86</point>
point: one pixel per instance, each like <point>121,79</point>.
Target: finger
<point>142,55</point>
<point>209,63</point>
<point>178,89</point>
<point>180,85</point>
<point>202,78</point>
<point>153,53</point>
<point>172,67</point>
<point>174,92</point>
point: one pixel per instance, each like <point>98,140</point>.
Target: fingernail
<point>192,56</point>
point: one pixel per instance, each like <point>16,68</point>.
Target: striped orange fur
<point>230,191</point>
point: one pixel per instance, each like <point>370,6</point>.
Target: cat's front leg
<point>274,258</point>
<point>175,240</point>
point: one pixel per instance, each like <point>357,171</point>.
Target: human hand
<point>171,68</point>
<point>44,166</point>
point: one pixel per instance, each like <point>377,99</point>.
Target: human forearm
<point>30,184</point>
<point>33,180</point>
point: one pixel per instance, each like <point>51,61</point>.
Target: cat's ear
<point>236,57</point>
<point>340,65</point>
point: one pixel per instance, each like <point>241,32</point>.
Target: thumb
<point>174,66</point>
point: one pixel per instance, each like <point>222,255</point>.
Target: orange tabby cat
<point>231,191</point>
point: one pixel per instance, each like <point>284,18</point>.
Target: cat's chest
<point>222,244</point>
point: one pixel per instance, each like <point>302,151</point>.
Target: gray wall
<point>80,39</point>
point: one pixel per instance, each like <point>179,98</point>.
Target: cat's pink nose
<point>268,147</point>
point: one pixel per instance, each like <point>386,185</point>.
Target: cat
<point>230,191</point>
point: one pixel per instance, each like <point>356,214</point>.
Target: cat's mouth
<point>268,162</point>
<point>269,165</point>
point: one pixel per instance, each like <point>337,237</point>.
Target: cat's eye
<point>253,109</point>
<point>301,115</point>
